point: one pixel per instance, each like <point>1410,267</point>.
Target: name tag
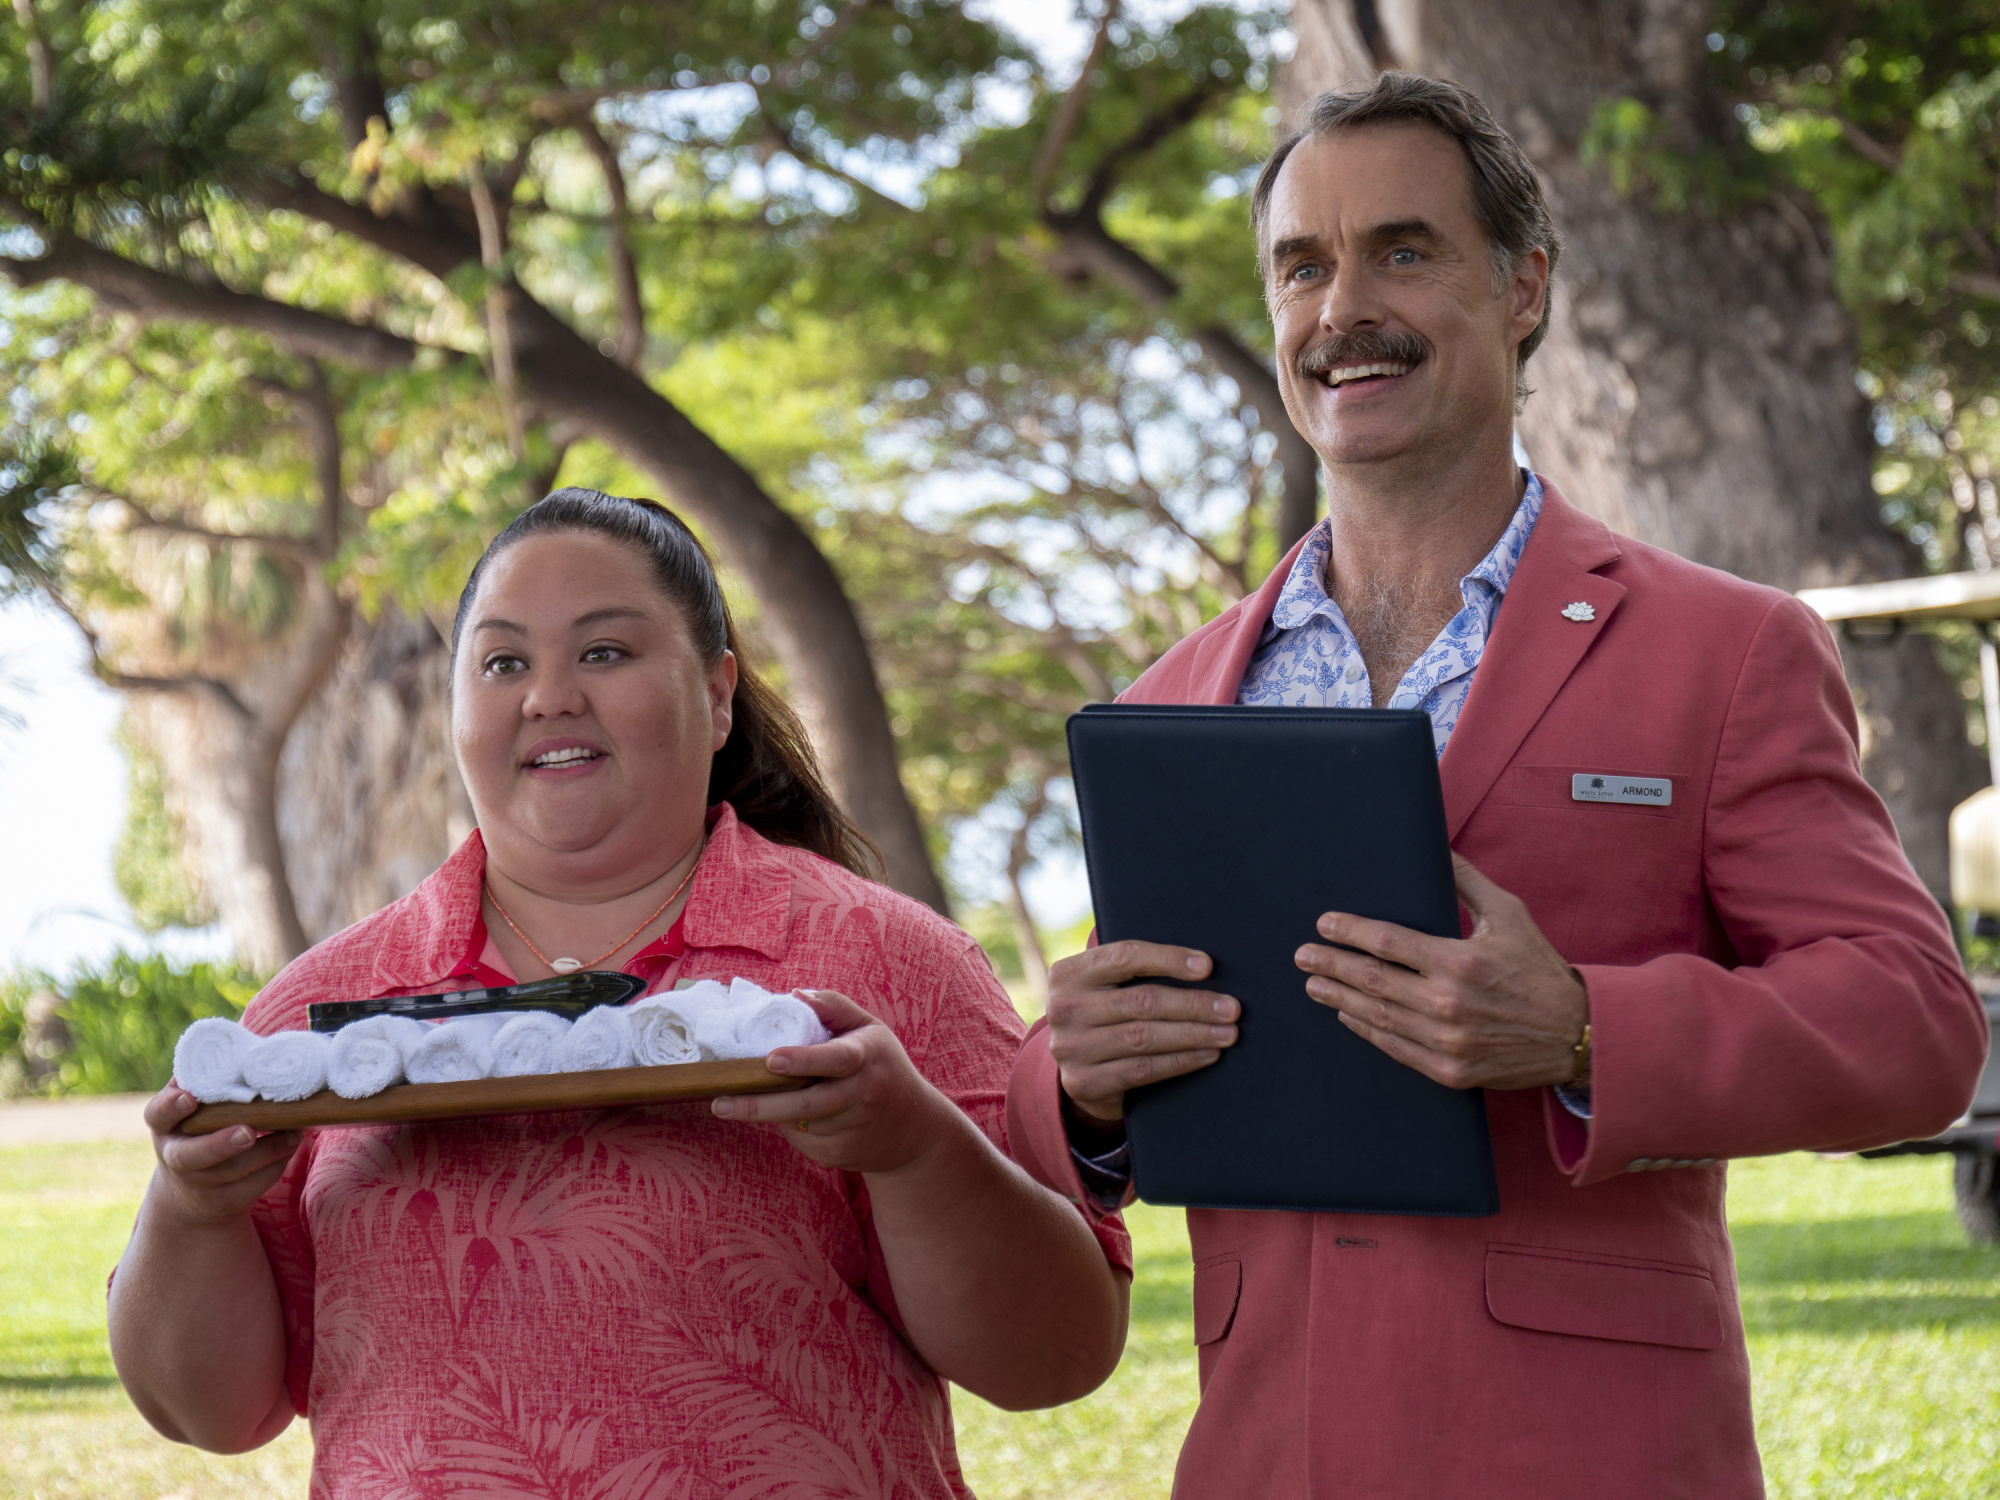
<point>1647,791</point>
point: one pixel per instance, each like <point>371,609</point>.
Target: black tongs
<point>565,995</point>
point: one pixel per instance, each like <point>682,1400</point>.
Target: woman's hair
<point>766,769</point>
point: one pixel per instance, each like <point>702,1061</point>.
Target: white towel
<point>288,1065</point>
<point>663,1025</point>
<point>754,1027</point>
<point>208,1060</point>
<point>367,1055</point>
<point>601,1038</point>
<point>528,1043</point>
<point>455,1051</point>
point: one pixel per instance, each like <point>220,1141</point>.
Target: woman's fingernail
<point>777,1062</point>
<point>242,1136</point>
<point>724,1107</point>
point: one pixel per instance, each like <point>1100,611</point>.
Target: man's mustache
<point>1366,347</point>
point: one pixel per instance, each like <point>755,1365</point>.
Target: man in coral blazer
<point>1691,932</point>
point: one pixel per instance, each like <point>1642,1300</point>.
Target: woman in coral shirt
<point>766,1294</point>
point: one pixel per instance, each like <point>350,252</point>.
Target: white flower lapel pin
<point>1579,612</point>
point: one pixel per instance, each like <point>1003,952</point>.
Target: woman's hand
<point>206,1181</point>
<point>873,1113</point>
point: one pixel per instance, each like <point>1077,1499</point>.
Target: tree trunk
<point>1034,958</point>
<point>1697,387</point>
<point>372,801</point>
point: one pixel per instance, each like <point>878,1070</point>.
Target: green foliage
<point>32,477</point>
<point>1888,117</point>
<point>1632,143</point>
<point>149,862</point>
<point>991,925</point>
<point>124,1016</point>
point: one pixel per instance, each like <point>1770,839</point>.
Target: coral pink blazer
<point>1765,973</point>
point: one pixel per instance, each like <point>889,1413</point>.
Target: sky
<point>63,777</point>
<point>62,803</point>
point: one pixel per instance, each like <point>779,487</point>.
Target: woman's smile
<point>563,759</point>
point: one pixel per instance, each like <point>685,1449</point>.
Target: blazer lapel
<point>1533,648</point>
<point>1218,666</point>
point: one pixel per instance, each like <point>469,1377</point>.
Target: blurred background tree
<point>310,303</point>
<point>960,366</point>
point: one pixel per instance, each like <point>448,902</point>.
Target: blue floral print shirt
<point>1308,657</point>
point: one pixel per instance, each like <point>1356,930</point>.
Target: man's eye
<point>1304,273</point>
<point>1404,257</point>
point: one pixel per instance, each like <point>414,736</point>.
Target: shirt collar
<point>1304,594</point>
<point>741,898</point>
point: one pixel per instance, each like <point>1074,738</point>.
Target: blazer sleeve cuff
<point>1039,1143</point>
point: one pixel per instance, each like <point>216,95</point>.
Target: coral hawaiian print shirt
<point>1308,657</point>
<point>624,1304</point>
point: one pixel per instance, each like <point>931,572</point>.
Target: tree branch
<point>1881,153</point>
<point>499,293</point>
<point>41,63</point>
<point>1063,125</point>
<point>141,289</point>
<point>429,235</point>
<point>145,518</point>
<point>1977,284</point>
<point>134,682</point>
<point>322,419</point>
<point>618,249</point>
<point>1154,129</point>
<point>785,139</point>
<point>357,82</point>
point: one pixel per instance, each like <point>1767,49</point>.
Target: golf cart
<point>1881,609</point>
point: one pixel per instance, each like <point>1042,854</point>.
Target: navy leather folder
<point>1231,830</point>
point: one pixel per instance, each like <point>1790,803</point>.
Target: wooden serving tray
<point>406,1102</point>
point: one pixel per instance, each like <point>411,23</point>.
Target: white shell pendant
<point>1579,612</point>
<point>565,965</point>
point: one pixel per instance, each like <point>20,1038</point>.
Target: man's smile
<point>1375,374</point>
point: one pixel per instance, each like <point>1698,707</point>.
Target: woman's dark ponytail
<point>766,769</point>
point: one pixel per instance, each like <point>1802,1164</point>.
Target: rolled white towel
<point>700,994</point>
<point>208,1060</point>
<point>528,1043</point>
<point>663,1025</point>
<point>454,1051</point>
<point>601,1038</point>
<point>753,1028</point>
<point>367,1055</point>
<point>288,1065</point>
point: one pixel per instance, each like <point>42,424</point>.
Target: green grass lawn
<point>1874,1331</point>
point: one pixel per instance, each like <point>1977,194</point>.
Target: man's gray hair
<point>1506,197</point>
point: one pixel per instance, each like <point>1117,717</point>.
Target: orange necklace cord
<point>571,965</point>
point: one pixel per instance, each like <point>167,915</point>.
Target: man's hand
<point>1499,1009</point>
<point>1108,1035</point>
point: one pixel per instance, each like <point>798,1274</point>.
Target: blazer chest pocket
<point>1556,786</point>
<point>1217,1285</point>
<point>1602,1297</point>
